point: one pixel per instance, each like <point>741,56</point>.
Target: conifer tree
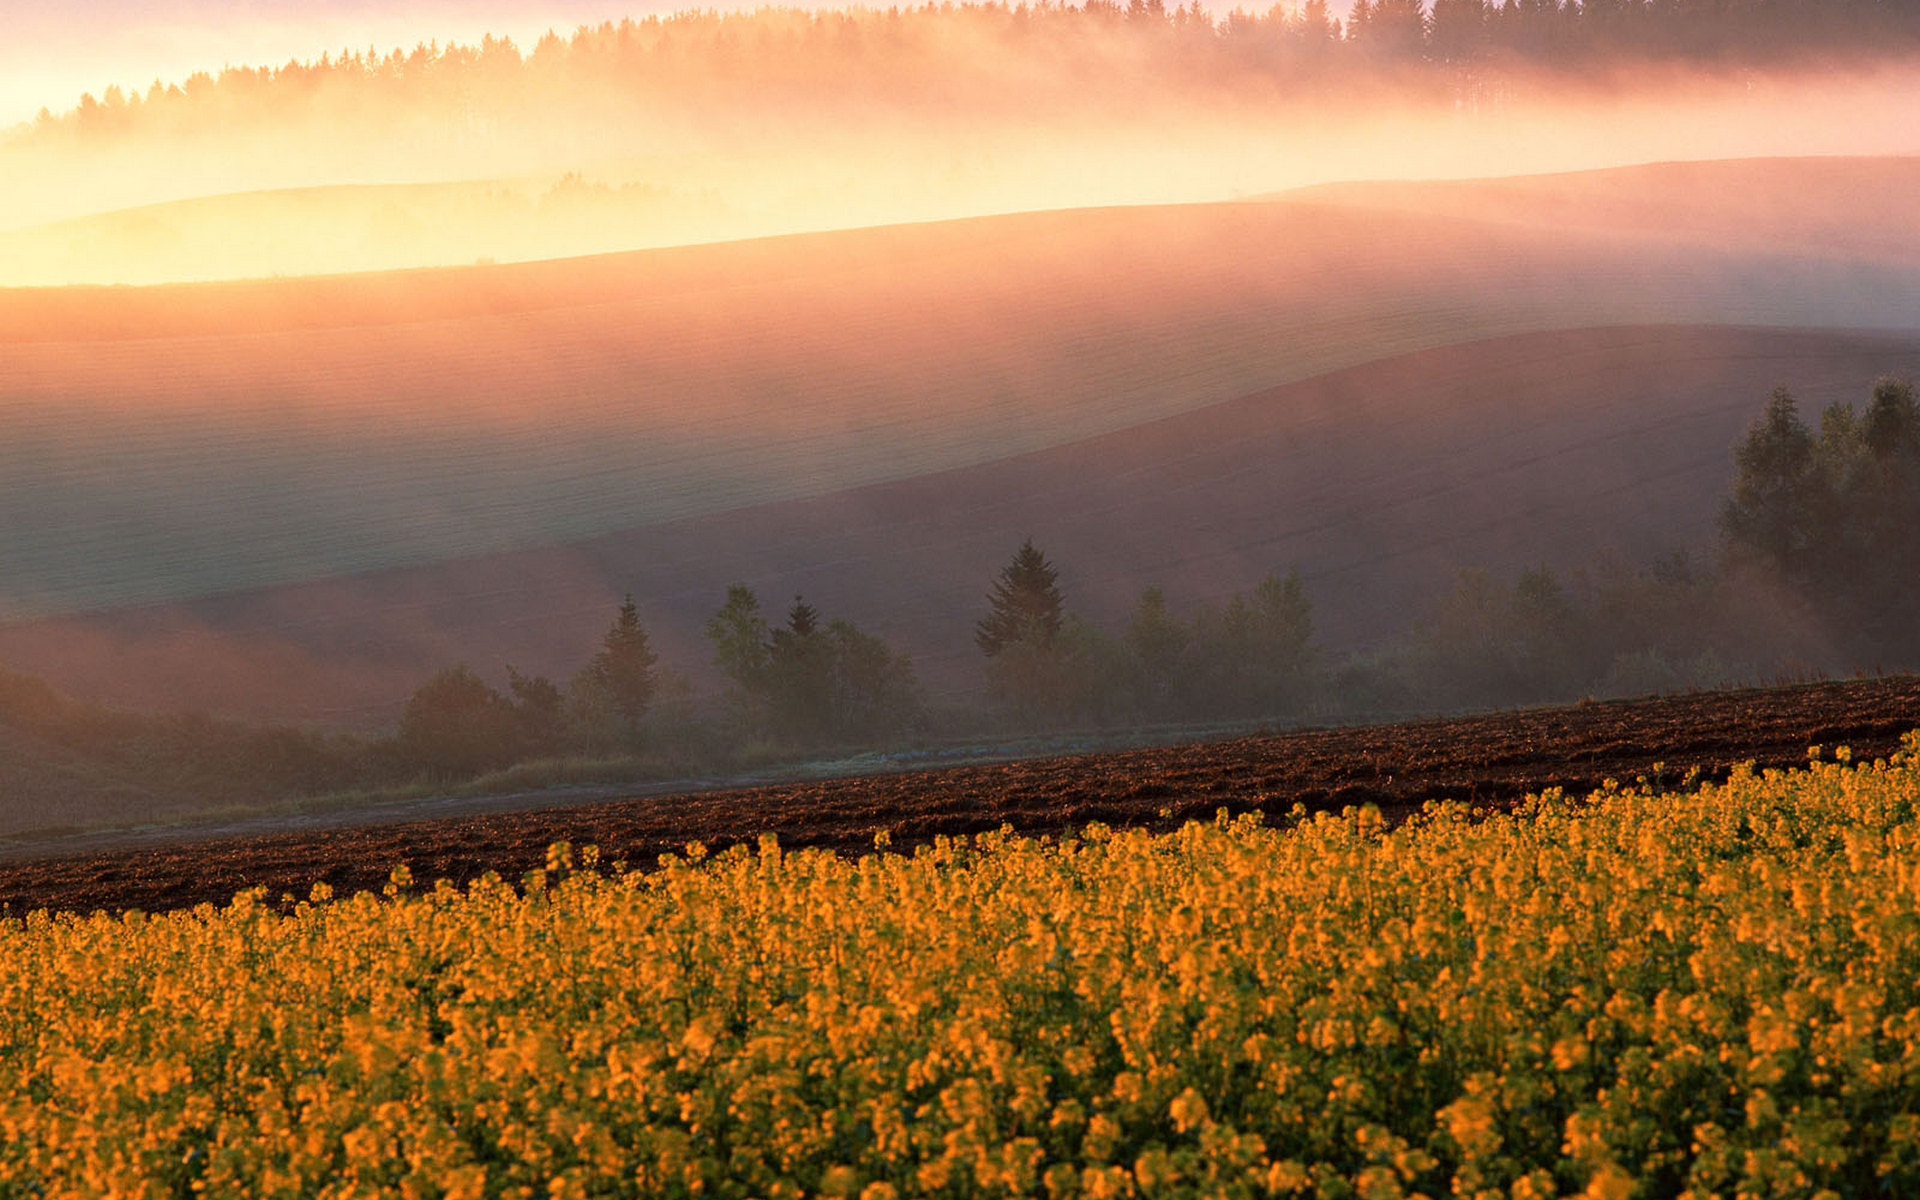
<point>1024,606</point>
<point>812,681</point>
<point>802,618</point>
<point>623,670</point>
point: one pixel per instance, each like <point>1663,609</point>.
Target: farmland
<point>1701,991</point>
<point>1489,760</point>
<point>800,604</point>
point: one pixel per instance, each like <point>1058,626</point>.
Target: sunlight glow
<point>717,129</point>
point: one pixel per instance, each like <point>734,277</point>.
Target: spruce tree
<point>802,618</point>
<point>1024,606</point>
<point>623,670</point>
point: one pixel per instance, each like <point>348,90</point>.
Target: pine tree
<point>1025,604</point>
<point>802,618</point>
<point>1315,26</point>
<point>1360,21</point>
<point>1398,27</point>
<point>1157,640</point>
<point>799,682</point>
<point>812,681</point>
<point>1457,29</point>
<point>623,670</point>
<point>1835,516</point>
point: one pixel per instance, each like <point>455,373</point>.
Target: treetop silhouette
<point>1025,604</point>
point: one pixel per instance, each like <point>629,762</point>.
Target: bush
<point>456,726</point>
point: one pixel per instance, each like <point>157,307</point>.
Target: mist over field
<point>712,127</point>
<point>1338,363</point>
<point>57,52</point>
<point>982,598</point>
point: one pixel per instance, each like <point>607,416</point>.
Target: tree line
<point>1815,573</point>
<point>924,56</point>
<point>1834,513</point>
<point>800,684</point>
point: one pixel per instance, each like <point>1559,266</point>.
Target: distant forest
<point>981,58</point>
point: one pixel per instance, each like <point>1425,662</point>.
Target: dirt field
<point>1487,761</point>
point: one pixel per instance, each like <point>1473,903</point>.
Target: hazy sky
<point>53,50</point>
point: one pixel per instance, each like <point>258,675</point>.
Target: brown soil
<point>1489,761</point>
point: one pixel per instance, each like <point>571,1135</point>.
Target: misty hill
<point>356,227</point>
<point>1377,482</point>
<point>165,443</point>
<point>299,495</point>
<point>710,126</point>
<point>1839,207</point>
<point>1830,207</point>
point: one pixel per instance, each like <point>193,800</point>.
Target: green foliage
<point>540,712</point>
<point>1253,658</point>
<point>871,692</point>
<point>740,640</point>
<point>809,683</point>
<point>1837,516</point>
<point>1158,641</point>
<point>1486,644</point>
<point>1256,657</point>
<point>1780,498</point>
<point>1046,667</point>
<point>1618,630</point>
<point>1080,676</point>
<point>71,762</point>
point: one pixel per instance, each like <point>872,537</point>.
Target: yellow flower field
<point>1712,993</point>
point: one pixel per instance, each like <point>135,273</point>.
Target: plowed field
<point>1490,760</point>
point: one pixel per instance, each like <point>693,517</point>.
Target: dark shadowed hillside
<point>1377,482</point>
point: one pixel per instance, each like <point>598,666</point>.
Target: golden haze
<point>782,122</point>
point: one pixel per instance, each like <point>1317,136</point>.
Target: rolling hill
<point>1377,482</point>
<point>296,496</point>
<point>1859,208</point>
